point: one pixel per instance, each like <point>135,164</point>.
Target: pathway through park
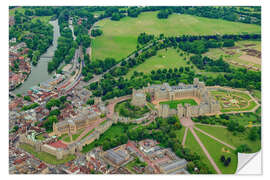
<point>190,125</point>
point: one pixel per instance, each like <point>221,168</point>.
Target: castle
<point>138,98</point>
<point>207,105</point>
<point>70,126</point>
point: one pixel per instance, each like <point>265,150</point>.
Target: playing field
<point>120,37</point>
<point>173,104</point>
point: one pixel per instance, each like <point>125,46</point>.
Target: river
<point>39,72</point>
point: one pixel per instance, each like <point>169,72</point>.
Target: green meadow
<point>119,38</point>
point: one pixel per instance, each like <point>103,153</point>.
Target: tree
<point>96,32</point>
<point>90,101</point>
<point>253,134</point>
<point>243,148</point>
<point>49,123</point>
<point>222,158</point>
<point>27,98</point>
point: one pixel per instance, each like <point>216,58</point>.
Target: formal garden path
<point>190,125</point>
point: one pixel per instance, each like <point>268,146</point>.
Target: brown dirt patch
<point>234,47</point>
<point>248,45</point>
<point>252,52</point>
<point>251,59</point>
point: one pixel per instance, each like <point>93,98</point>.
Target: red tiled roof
<point>58,144</point>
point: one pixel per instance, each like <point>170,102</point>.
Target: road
<point>98,77</point>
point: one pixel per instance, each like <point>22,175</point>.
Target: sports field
<point>120,37</point>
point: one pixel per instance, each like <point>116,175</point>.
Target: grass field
<point>135,163</point>
<point>114,131</point>
<point>75,136</point>
<point>168,59</point>
<point>46,157</point>
<point>228,137</point>
<point>120,37</point>
<point>126,109</point>
<point>88,133</point>
<point>192,144</point>
<point>180,134</point>
<point>216,150</point>
<point>40,137</point>
<point>173,104</point>
<point>44,19</point>
<point>163,59</point>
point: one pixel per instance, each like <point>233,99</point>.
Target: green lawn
<point>173,104</point>
<point>114,131</point>
<point>75,136</point>
<point>119,38</point>
<point>216,150</point>
<point>228,137</point>
<point>180,134</point>
<point>193,145</point>
<point>44,19</point>
<point>67,139</point>
<point>88,133</point>
<point>134,163</point>
<point>40,137</point>
<point>164,59</point>
<point>46,157</point>
<point>126,109</point>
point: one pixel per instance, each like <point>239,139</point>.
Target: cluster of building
<point>207,105</point>
<point>19,64</point>
<point>156,159</point>
<point>166,161</point>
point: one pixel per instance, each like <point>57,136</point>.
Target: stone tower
<point>138,98</point>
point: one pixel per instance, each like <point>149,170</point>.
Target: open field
<point>233,101</point>
<point>173,104</point>
<point>126,109</point>
<point>46,157</point>
<point>114,131</point>
<point>180,134</point>
<point>193,145</point>
<point>216,150</point>
<point>44,19</point>
<point>228,137</point>
<point>120,37</point>
<point>244,54</point>
<point>165,60</point>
